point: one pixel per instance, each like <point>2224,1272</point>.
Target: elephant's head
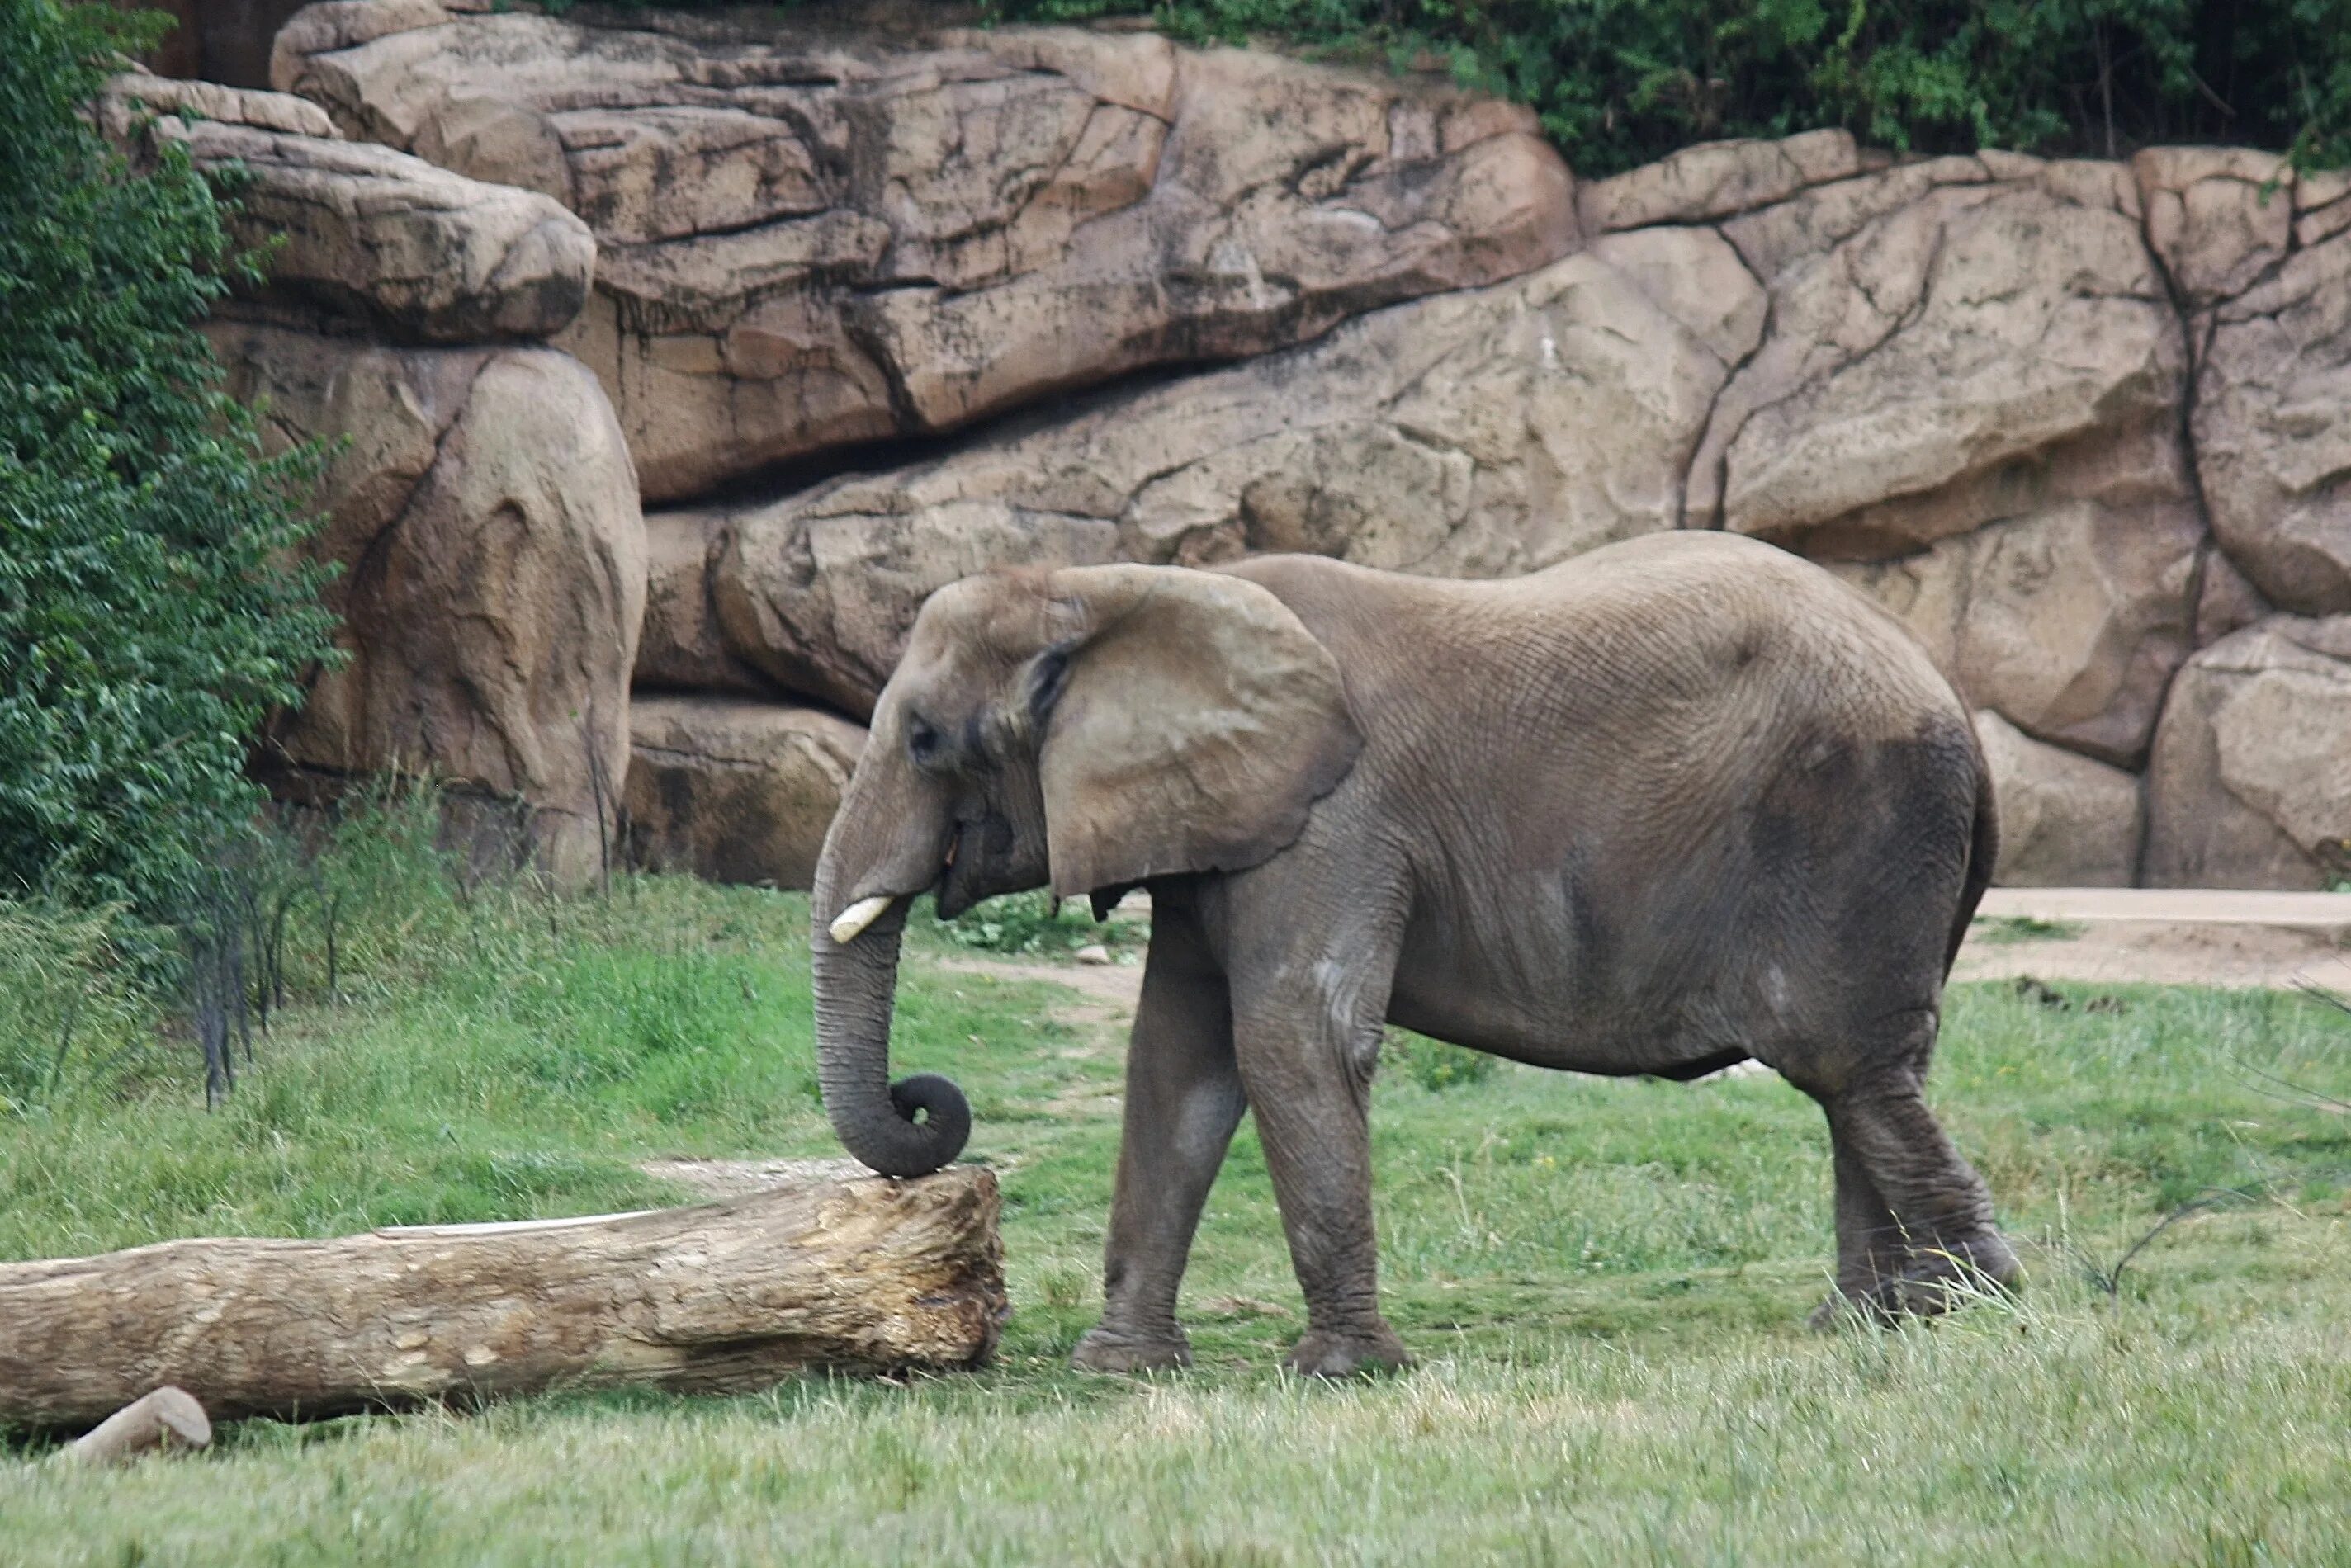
<point>1082,729</point>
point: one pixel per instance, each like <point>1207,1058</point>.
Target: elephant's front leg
<point>1183,1101</point>
<point>1307,1033</point>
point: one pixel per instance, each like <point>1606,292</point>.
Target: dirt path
<point>2118,952</point>
<point>2162,937</point>
<point>1106,993</point>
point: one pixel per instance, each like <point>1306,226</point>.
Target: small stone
<point>1093,953</point>
<point>167,1418</point>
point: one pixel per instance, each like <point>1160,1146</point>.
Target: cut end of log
<point>166,1418</point>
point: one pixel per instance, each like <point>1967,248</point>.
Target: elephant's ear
<point>1190,721</point>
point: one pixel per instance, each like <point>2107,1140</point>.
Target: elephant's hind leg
<point>1870,1252</point>
<point>1915,1231</point>
<point>1183,1099</point>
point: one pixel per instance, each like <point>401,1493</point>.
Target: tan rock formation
<point>2250,784</point>
<point>815,239</point>
<point>1718,180</point>
<point>140,95</point>
<point>485,520</point>
<point>681,648</point>
<point>1477,434</point>
<point>732,789</point>
<point>2272,443</point>
<point>2217,216</point>
<point>2064,820</point>
<point>2067,622</point>
<point>1947,349</point>
<point>417,253</point>
<point>1961,381</point>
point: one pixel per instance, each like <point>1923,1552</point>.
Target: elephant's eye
<point>922,742</point>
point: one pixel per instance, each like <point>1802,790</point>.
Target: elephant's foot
<point>1324,1353</point>
<point>1935,1281</point>
<point>1104,1349</point>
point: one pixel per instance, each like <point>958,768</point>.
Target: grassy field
<point>1604,1282</point>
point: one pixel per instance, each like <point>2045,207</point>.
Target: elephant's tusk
<point>847,925</point>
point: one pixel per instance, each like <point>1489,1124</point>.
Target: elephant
<point>1679,802</point>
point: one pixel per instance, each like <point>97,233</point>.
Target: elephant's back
<point>1719,612</point>
<point>1645,635</point>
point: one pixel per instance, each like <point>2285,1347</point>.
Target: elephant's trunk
<point>914,1126</point>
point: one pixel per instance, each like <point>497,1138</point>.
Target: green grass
<point>2008,930</point>
<point>1604,1280</point>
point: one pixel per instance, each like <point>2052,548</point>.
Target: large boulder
<point>2250,786</point>
<point>2272,443</point>
<point>416,252</point>
<point>814,238</point>
<point>735,791</point>
<point>1477,434</point>
<point>484,518</point>
<point>1953,343</point>
<point>2065,821</point>
<point>2067,622</point>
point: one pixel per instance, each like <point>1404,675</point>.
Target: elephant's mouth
<point>957,888</point>
<point>982,859</point>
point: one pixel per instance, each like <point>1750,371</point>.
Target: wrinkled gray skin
<point>1672,805</point>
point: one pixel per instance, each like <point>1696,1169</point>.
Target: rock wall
<point>481,505</point>
<point>812,239</point>
<point>876,309</point>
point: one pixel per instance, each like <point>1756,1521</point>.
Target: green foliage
<point>1620,82</point>
<point>146,621</point>
<point>1024,923</point>
<point>1434,1064</point>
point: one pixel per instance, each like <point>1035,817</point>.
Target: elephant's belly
<point>1547,1009</point>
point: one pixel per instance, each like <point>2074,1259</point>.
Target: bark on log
<point>855,1272</point>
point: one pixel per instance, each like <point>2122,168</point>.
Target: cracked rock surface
<point>418,254</point>
<point>817,238</point>
<point>735,790</point>
<point>2273,429</point>
<point>1475,434</point>
<point>493,582</point>
<point>2249,785</point>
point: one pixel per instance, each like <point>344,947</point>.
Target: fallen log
<point>847,1272</point>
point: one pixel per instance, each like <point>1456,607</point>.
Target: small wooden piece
<point>165,1417</point>
<point>840,1270</point>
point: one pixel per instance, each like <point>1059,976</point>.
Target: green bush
<point>1620,82</point>
<point>147,623</point>
<point>77,1018</point>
